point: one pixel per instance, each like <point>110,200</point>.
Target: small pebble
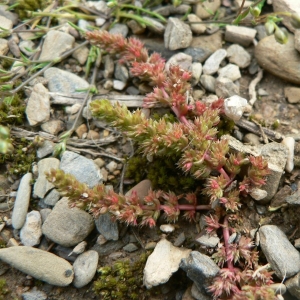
<point>167,228</point>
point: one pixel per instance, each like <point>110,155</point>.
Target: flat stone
<point>292,94</point>
<point>45,149</point>
<point>34,294</point>
<point>107,227</point>
<point>3,46</point>
<point>39,264</point>
<point>85,267</point>
<point>212,64</point>
<point>156,272</point>
<point>141,189</point>
<point>22,202</point>
<point>200,268</point>
<point>39,100</point>
<point>52,197</point>
<point>206,9</point>
<point>81,54</point>
<point>4,11</point>
<point>121,73</point>
<point>119,85</point>
<point>53,126</point>
<point>239,56</point>
<point>108,248</point>
<point>184,61</point>
<point>84,169</point>
<point>6,23</point>
<point>27,44</point>
<point>119,28</point>
<point>131,247</point>
<point>196,28</point>
<point>225,88</point>
<point>280,60</point>
<point>288,6</point>
<point>31,231</point>
<point>67,226</point>
<point>60,81</point>
<point>196,72</point>
<point>208,82</point>
<point>177,35</point>
<point>293,285</point>
<point>280,253</point>
<point>156,27</point>
<point>55,44</point>
<point>230,71</point>
<point>42,185</point>
<point>241,35</point>
<point>208,240</point>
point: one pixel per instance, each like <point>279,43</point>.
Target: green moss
<point>12,110</point>
<point>19,160</point>
<point>123,280</point>
<point>25,6</point>
<point>164,174</point>
<point>3,289</point>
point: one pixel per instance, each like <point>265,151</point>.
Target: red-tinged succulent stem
<point>226,243</point>
<point>180,207</point>
<point>223,172</point>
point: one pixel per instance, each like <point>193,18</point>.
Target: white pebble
<point>234,107</point>
<point>289,142</point>
<point>167,228</point>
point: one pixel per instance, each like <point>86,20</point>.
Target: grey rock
<point>67,226</point>
<point>297,40</point>
<point>31,231</point>
<point>261,31</point>
<point>239,56</point>
<point>39,101</point>
<point>53,126</point>
<point>230,71</point>
<point>5,23</point>
<point>85,267</point>
<point>234,107</point>
<point>119,29</point>
<point>34,294</point>
<point>55,44</point>
<point>22,202</point>
<point>196,72</point>
<point>226,88</point>
<point>39,264</point>
<point>78,249</point>
<point>84,169</point>
<point>3,46</point>
<point>204,9</point>
<point>121,73</point>
<point>108,248</point>
<point>4,12</point>
<point>60,81</point>
<point>167,228</point>
<point>196,28</point>
<point>280,60</point>
<point>14,48</point>
<point>181,9</point>
<point>252,139</point>
<point>203,46</point>
<point>131,247</point>
<point>42,185</point>
<point>81,54</point>
<point>208,240</point>
<point>45,212</point>
<point>293,199</point>
<point>212,64</point>
<point>197,294</point>
<point>24,45</point>
<point>101,6</point>
<point>156,27</point>
<point>141,189</point>
<point>276,155</point>
<point>135,27</point>
<point>179,240</point>
<point>208,82</point>
<point>52,197</point>
<point>46,149</point>
<point>241,35</point>
<point>288,6</point>
<point>107,227</point>
<point>200,268</point>
<point>289,142</point>
<point>180,59</point>
<point>280,253</point>
<point>108,66</point>
<point>293,285</point>
<point>155,272</point>
<point>177,35</point>
<point>258,194</point>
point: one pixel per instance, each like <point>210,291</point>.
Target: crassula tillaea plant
<point>201,155</point>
